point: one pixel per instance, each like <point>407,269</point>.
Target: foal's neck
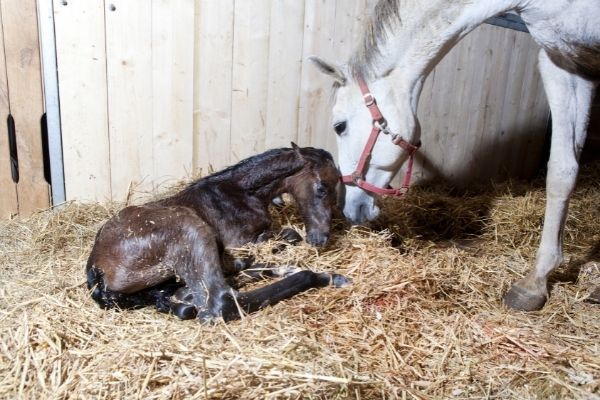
<point>262,176</point>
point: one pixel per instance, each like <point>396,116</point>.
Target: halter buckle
<point>369,99</point>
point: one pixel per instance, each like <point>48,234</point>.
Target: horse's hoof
<point>340,281</point>
<point>519,298</point>
<point>184,311</point>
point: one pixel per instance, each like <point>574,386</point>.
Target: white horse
<point>403,41</point>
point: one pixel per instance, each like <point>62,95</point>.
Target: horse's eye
<point>339,127</point>
<point>321,190</point>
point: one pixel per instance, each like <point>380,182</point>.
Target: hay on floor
<point>423,319</point>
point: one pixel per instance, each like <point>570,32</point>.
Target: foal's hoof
<point>184,311</point>
<point>519,298</point>
<point>291,236</point>
<point>340,281</point>
<point>278,202</point>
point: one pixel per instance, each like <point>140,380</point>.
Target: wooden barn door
<point>23,187</point>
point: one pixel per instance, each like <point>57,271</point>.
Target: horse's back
<point>569,32</point>
<point>137,247</point>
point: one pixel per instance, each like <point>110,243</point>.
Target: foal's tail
<point>157,296</point>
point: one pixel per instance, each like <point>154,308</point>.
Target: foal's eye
<point>321,190</point>
<point>339,127</point>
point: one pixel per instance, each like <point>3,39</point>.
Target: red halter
<point>379,125</point>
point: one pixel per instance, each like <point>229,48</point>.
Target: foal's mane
<point>266,168</point>
<point>385,16</point>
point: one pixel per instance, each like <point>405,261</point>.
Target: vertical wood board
<point>249,78</point>
<point>129,88</point>
<point>172,89</point>
<point>284,73</point>
<point>81,59</point>
<point>23,71</point>
<point>314,115</point>
<point>8,195</point>
<point>213,63</point>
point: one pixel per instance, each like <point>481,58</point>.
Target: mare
<point>170,253</point>
<point>402,43</point>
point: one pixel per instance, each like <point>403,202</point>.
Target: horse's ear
<point>329,69</point>
<point>296,149</point>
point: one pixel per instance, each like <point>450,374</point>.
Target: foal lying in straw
<point>169,253</point>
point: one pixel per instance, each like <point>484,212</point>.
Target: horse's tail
<point>157,296</point>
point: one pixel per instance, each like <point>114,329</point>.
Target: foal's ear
<point>296,148</point>
<point>329,69</point>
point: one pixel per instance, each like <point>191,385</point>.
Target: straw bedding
<point>423,318</point>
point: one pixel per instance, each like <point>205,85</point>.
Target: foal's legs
<point>569,97</point>
<point>286,288</point>
<point>197,262</point>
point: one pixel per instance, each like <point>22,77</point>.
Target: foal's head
<point>314,190</point>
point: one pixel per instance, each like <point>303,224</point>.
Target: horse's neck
<point>265,179</point>
<point>425,31</point>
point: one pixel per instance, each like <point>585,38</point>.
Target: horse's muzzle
<point>317,239</point>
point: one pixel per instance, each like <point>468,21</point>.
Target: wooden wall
<point>483,110</point>
<point>125,71</point>
<point>152,90</point>
<point>21,98</point>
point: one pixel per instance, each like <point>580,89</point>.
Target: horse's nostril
<point>317,239</point>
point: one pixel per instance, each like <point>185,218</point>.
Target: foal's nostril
<point>317,239</point>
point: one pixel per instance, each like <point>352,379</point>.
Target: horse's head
<point>352,123</point>
<point>314,190</point>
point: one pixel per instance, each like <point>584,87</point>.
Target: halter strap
<point>379,125</point>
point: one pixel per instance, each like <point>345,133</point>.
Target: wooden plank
<point>332,30</point>
<point>314,115</point>
<point>81,59</point>
<point>213,64</point>
<point>347,34</point>
<point>285,67</point>
<point>249,78</point>
<point>129,80</point>
<point>530,118</point>
<point>23,70</point>
<point>8,194</point>
<point>172,89</point>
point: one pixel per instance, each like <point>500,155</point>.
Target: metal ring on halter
<point>369,99</point>
<point>356,177</point>
<point>381,125</point>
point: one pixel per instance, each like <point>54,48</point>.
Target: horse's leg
<point>196,259</point>
<point>289,286</point>
<point>260,271</point>
<point>569,97</point>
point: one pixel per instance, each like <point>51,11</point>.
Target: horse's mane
<point>262,169</point>
<point>385,16</point>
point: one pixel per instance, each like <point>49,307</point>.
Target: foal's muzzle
<point>317,239</point>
